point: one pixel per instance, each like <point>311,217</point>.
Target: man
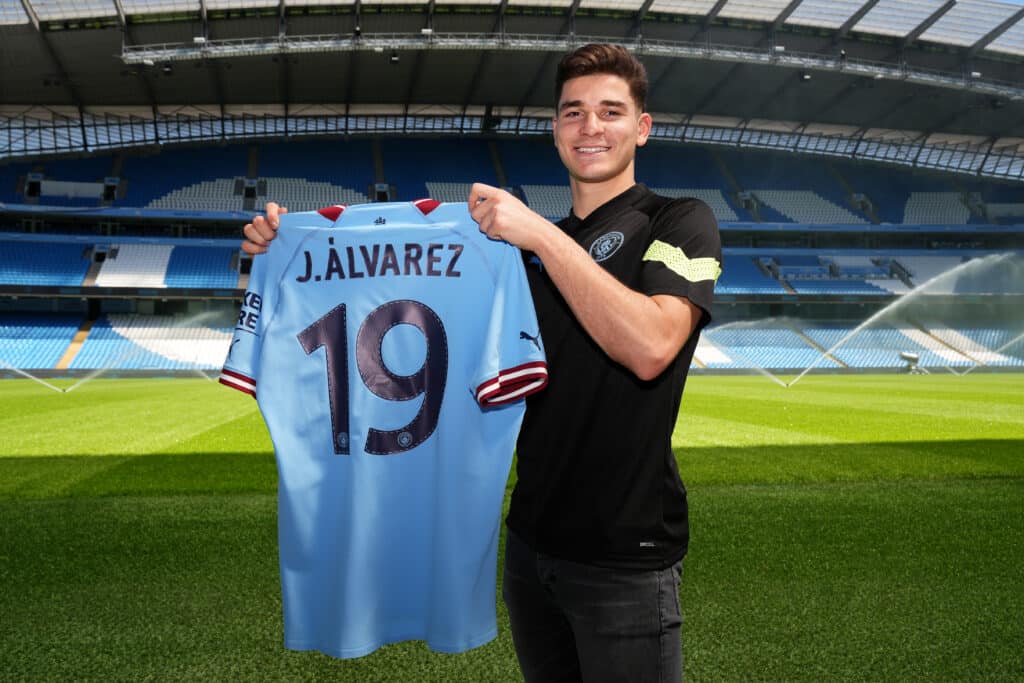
<point>598,525</point>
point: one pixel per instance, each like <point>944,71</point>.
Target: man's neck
<point>588,196</point>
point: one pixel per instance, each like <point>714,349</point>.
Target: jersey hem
<point>364,650</point>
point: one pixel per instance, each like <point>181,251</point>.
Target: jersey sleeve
<point>512,364</point>
<point>684,257</point>
<point>241,367</point>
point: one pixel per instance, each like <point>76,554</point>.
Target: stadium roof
<point>976,24</point>
<point>911,70</point>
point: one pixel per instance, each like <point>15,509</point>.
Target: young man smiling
<point>598,518</point>
<point>598,523</point>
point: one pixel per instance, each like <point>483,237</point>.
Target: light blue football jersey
<point>389,347</point>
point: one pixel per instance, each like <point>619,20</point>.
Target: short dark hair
<point>603,58</point>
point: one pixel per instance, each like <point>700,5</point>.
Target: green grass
<point>847,528</point>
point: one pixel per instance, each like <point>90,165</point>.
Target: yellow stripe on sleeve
<point>673,258</point>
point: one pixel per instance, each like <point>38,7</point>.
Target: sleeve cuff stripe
<point>234,380</point>
<point>513,384</point>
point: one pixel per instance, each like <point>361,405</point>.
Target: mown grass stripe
<point>849,528</point>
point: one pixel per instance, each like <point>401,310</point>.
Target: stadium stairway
<point>75,346</point>
<point>94,272</point>
<point>821,349</point>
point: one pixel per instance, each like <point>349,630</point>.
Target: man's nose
<point>591,123</point>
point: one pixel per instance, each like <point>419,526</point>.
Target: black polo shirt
<point>597,479</point>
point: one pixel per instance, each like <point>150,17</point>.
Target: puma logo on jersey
<point>535,338</point>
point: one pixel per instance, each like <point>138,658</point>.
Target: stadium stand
<point>769,346</point>
<point>531,162</point>
<point>881,348</point>
<point>345,163</point>
<point>925,268</point>
<point>664,165</point>
<point>789,189</point>
<point>554,202</point>
<point>43,263</point>
<point>140,342</point>
<point>331,172</point>
<point>34,341</point>
<point>201,267</point>
<point>211,195</point>
<point>448,192</point>
<point>59,183</point>
<point>408,164</point>
<point>1005,212</point>
<point>862,287</point>
<point>148,178</point>
<point>712,197</point>
<point>805,206</point>
<point>135,265</point>
<point>991,346</point>
<point>299,194</point>
<point>856,265</point>
<point>936,208</point>
<point>741,275</point>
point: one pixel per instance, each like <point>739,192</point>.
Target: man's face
<point>598,127</point>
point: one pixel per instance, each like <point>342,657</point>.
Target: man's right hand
<point>262,230</point>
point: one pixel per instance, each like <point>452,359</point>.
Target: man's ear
<point>644,129</point>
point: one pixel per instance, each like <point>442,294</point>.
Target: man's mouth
<point>591,150</point>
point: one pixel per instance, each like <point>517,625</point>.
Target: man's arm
<point>643,333</point>
<point>261,231</point>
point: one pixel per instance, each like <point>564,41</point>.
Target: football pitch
<point>848,528</point>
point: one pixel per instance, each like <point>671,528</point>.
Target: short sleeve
<point>241,367</point>
<point>513,364</point>
<point>684,257</point>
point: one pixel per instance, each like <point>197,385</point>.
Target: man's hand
<point>643,333</point>
<point>503,217</point>
<point>261,231</point>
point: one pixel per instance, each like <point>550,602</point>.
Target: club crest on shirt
<point>606,245</point>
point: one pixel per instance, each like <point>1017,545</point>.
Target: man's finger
<point>478,192</point>
<point>253,249</point>
<point>274,210</point>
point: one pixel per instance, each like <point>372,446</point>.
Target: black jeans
<point>579,622</point>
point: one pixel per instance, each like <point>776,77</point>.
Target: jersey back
<point>388,347</point>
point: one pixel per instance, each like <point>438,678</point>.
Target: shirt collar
<point>613,206</point>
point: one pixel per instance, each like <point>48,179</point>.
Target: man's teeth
<point>592,149</point>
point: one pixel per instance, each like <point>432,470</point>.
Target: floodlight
<point>199,40</point>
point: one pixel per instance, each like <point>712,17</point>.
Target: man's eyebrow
<point>579,103</point>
